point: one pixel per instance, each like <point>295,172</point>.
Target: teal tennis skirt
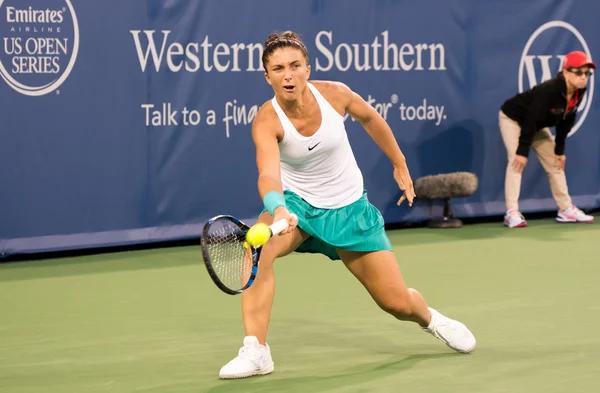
<point>356,227</point>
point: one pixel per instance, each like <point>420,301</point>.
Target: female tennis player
<point>306,167</point>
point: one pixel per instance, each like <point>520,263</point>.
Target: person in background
<point>524,120</point>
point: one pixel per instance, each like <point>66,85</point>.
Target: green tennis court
<point>152,321</point>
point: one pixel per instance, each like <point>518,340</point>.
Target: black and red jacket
<point>545,105</point>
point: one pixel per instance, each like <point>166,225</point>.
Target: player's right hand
<point>281,213</point>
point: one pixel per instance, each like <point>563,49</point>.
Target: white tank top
<point>321,168</point>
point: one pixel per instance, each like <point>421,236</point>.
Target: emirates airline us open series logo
<point>39,41</point>
<point>543,57</point>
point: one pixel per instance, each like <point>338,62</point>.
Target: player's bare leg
<point>254,358</point>
<point>380,275</point>
<point>257,300</point>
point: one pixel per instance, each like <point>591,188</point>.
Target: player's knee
<point>399,307</point>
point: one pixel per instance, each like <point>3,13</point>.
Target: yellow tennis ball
<point>258,235</point>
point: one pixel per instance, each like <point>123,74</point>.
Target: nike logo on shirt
<point>310,148</point>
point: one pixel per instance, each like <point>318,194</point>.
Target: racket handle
<point>280,226</point>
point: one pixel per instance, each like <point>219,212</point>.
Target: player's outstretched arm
<point>264,134</point>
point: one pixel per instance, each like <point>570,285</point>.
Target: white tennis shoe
<point>514,219</point>
<point>453,333</point>
<point>573,214</point>
<point>252,359</point>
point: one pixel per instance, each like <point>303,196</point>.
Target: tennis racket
<point>231,262</point>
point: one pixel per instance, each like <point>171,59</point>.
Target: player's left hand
<point>560,161</point>
<point>402,177</point>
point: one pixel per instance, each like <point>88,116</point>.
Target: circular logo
<point>39,41</point>
<point>543,57</point>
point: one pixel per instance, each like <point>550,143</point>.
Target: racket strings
<point>231,261</point>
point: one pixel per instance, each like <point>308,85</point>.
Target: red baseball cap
<point>578,59</point>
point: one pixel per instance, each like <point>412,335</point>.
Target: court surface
<point>152,321</point>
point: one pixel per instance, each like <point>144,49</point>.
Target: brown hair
<point>287,39</point>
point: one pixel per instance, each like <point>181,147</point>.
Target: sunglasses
<point>580,73</point>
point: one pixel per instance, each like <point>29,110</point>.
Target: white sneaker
<point>573,214</point>
<point>453,333</point>
<point>252,359</point>
<point>514,219</point>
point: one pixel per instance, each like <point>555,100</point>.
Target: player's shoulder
<point>266,119</point>
<point>332,87</point>
<point>265,113</point>
<point>334,91</point>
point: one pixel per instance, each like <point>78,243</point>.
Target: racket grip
<point>280,226</point>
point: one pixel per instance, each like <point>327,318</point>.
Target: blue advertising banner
<point>135,126</point>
